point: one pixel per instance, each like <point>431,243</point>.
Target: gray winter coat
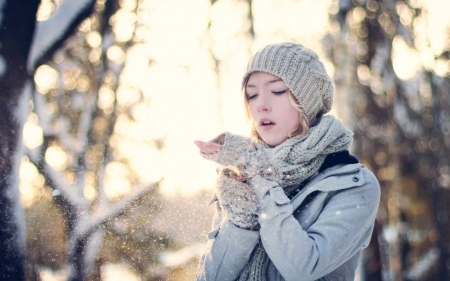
<point>318,235</point>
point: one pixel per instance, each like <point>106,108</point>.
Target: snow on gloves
<point>239,158</point>
<point>237,199</point>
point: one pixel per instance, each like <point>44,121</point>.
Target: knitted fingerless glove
<point>238,200</point>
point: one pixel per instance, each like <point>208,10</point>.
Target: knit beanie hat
<point>301,71</point>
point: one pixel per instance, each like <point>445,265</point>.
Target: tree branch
<point>101,216</point>
<point>50,34</point>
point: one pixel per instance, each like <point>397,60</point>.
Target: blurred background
<point>101,101</point>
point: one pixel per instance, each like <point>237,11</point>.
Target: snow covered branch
<point>50,34</point>
<point>420,268</point>
<point>56,181</point>
<point>101,216</point>
<point>181,257</point>
<point>86,122</point>
<point>43,117</point>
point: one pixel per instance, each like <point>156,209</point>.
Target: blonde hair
<point>303,124</point>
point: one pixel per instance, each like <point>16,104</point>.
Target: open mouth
<point>266,123</point>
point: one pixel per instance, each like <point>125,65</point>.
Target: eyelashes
<point>250,97</point>
<point>279,92</point>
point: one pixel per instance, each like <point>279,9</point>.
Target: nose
<point>263,105</point>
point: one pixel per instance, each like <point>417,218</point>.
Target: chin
<point>273,142</point>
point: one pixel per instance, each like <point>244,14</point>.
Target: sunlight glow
<point>116,181</point>
<point>31,183</point>
<point>442,67</point>
<point>221,26</point>
<point>106,97</point>
<point>94,39</point>
<point>149,163</point>
<point>438,23</point>
<point>135,70</point>
<point>89,190</point>
<point>431,30</point>
<point>127,95</point>
<point>291,20</point>
<point>117,169</point>
<point>124,25</point>
<point>178,40</point>
<point>32,135</point>
<point>46,8</point>
<point>117,272</point>
<point>116,54</point>
<point>47,274</point>
<point>406,61</point>
<point>116,187</point>
<point>46,78</point>
<point>129,5</point>
<point>56,157</point>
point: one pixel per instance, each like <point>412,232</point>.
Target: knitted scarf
<point>295,160</point>
<point>289,164</point>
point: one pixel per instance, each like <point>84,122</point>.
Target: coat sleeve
<point>342,229</point>
<point>228,249</point>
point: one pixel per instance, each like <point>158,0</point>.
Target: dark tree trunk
<point>16,32</point>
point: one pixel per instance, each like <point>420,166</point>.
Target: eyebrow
<point>268,82</point>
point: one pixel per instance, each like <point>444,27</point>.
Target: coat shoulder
<point>371,187</point>
<point>370,180</point>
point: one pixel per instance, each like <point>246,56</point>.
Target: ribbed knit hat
<point>301,71</point>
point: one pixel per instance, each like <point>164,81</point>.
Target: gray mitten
<point>240,154</point>
<point>238,200</point>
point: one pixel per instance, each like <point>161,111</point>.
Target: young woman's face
<point>272,113</point>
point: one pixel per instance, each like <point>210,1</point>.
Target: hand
<point>208,147</point>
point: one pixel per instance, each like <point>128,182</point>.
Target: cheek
<point>292,119</point>
<point>291,114</point>
<point>295,115</point>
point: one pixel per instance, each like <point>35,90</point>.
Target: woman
<point>291,203</point>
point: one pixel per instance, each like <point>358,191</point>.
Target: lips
<point>266,124</point>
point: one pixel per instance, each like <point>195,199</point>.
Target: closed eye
<point>249,97</point>
<point>279,92</point>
